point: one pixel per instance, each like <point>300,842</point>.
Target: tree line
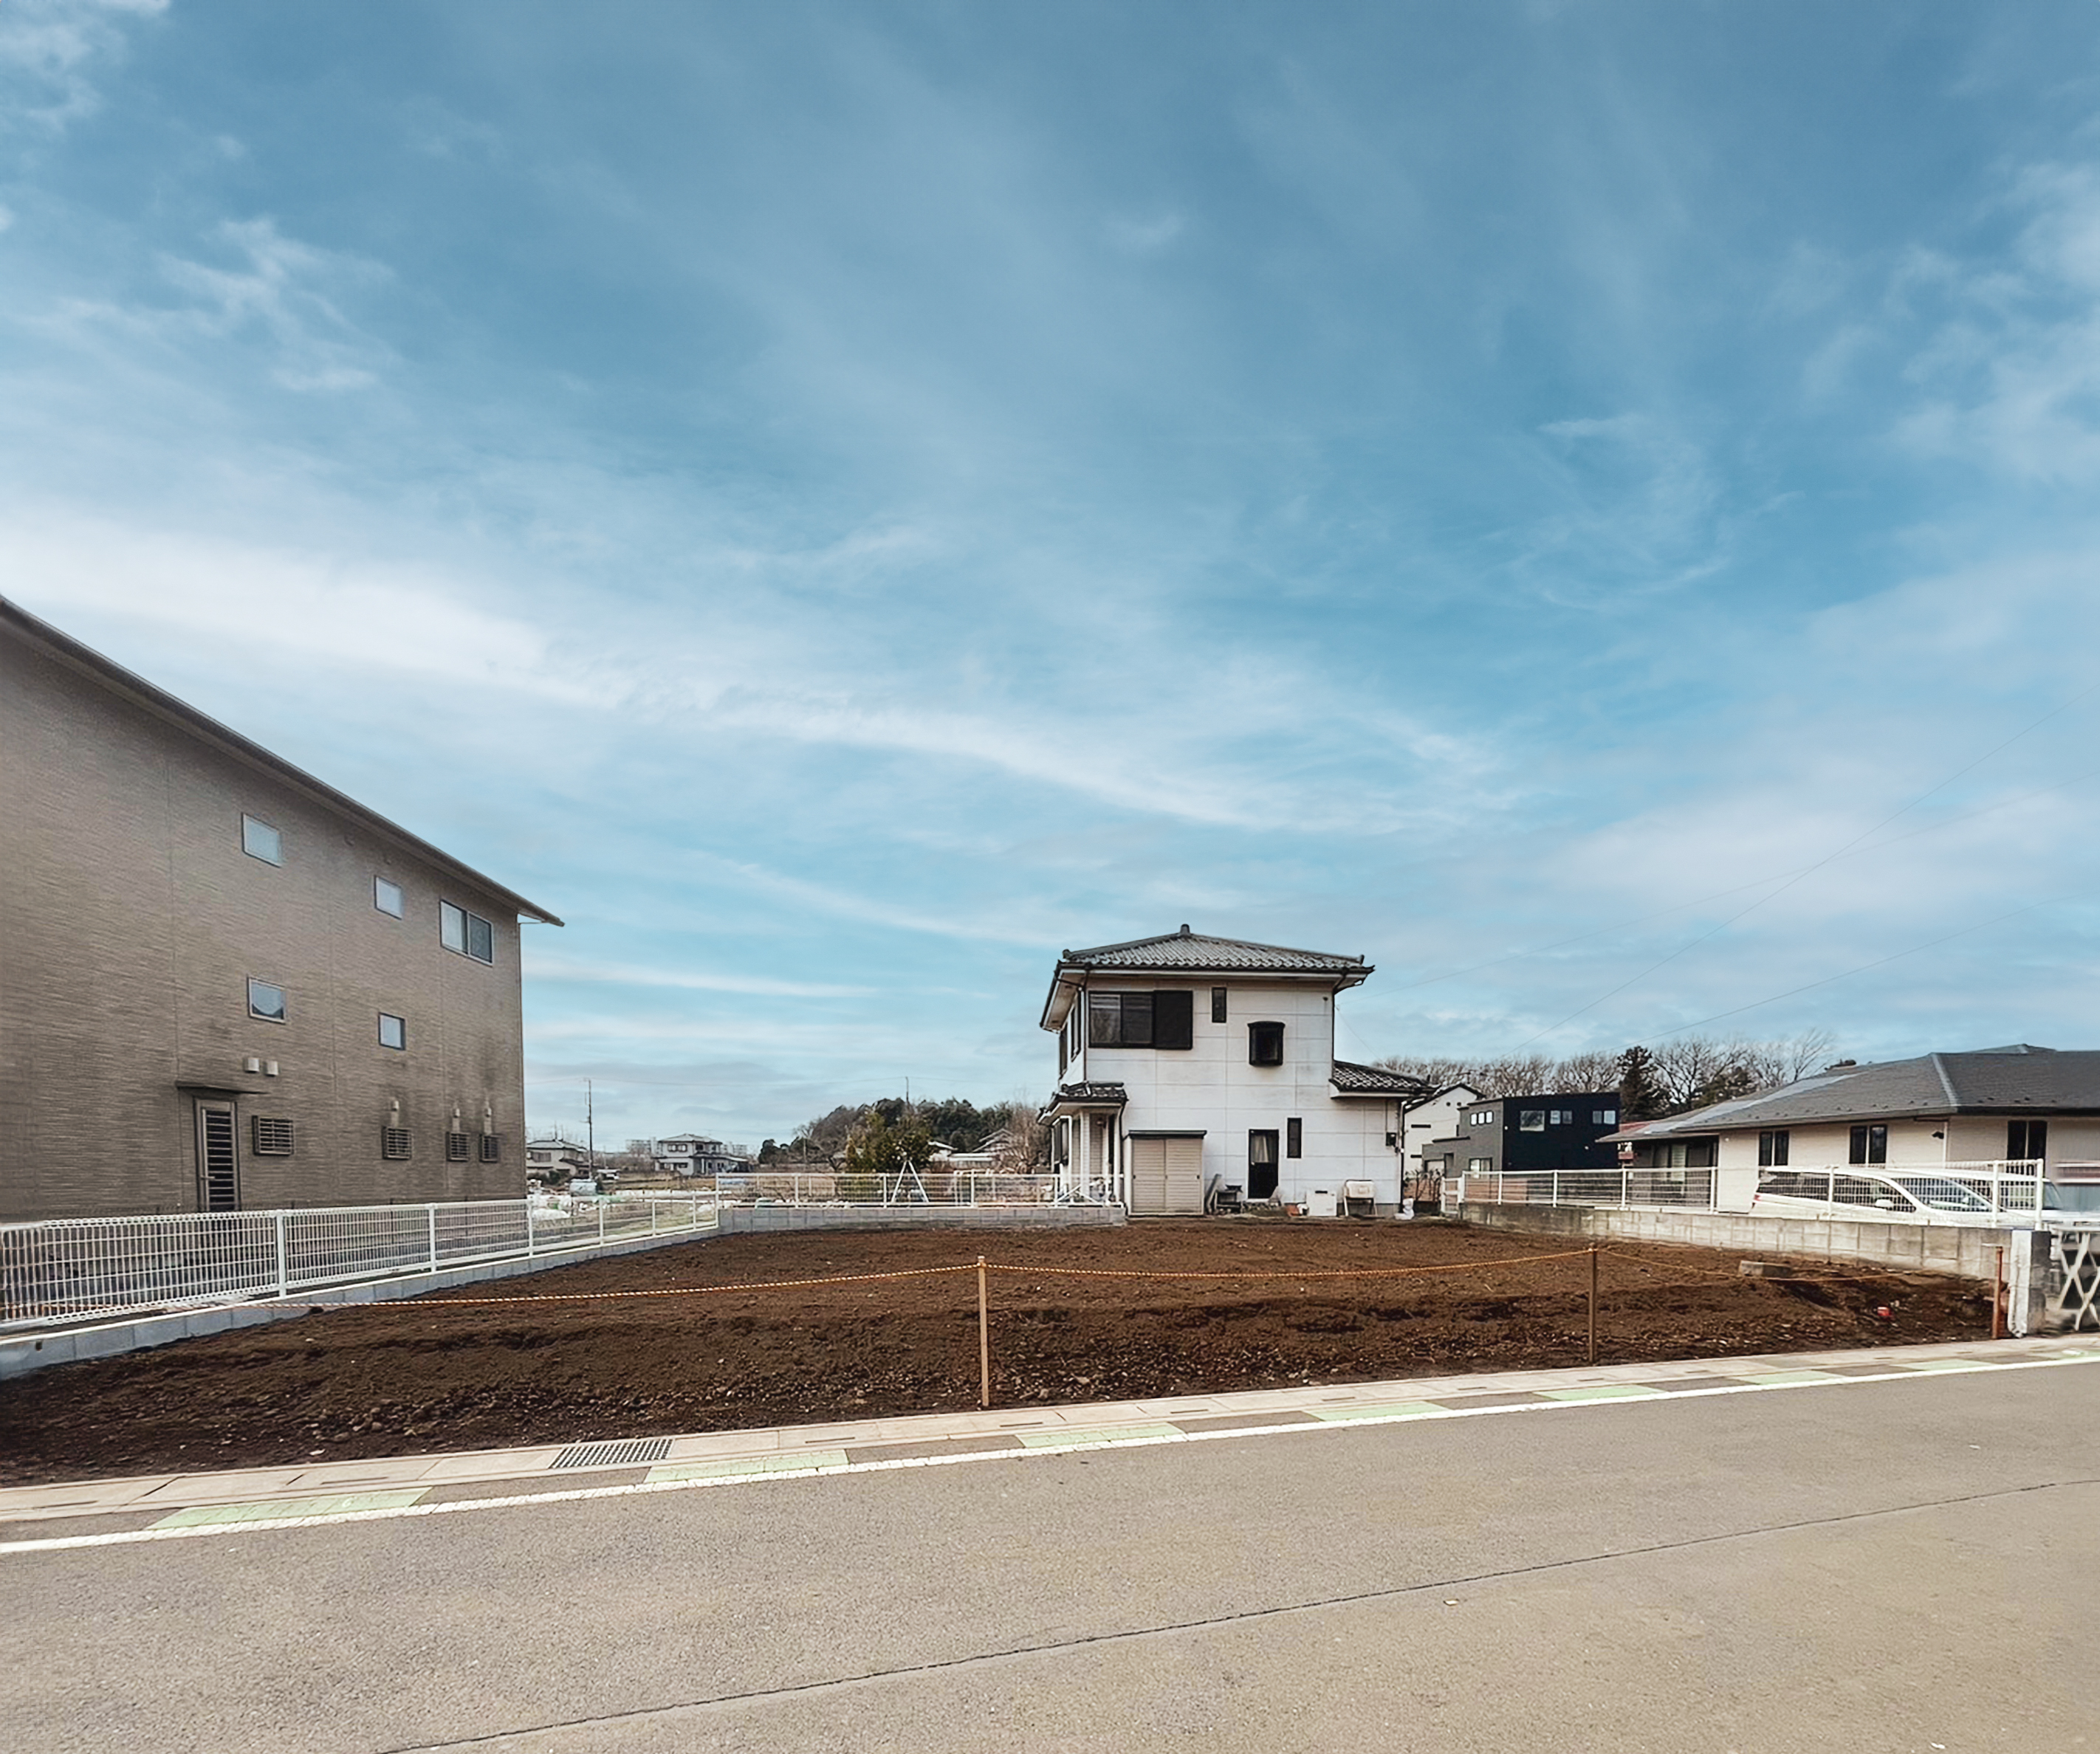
<point>1685,1072</point>
<point>896,1132</point>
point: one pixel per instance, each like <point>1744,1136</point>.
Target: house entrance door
<point>217,1156</point>
<point>1261,1165</point>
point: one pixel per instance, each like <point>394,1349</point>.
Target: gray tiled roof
<point>1357,1079</point>
<point>1102,1090</point>
<point>1196,953</point>
<point>1988,1081</point>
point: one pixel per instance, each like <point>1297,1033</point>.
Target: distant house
<point>226,984</point>
<point>1509,1134</point>
<point>1188,1063</point>
<point>690,1154</point>
<point>1993,1110</point>
<point>1428,1122</point>
<point>554,1157</point>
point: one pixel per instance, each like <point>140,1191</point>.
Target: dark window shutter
<point>1138,1019</point>
<point>1173,1019</point>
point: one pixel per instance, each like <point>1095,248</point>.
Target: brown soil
<point>436,1373</point>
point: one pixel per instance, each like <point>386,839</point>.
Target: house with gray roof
<point>1993,1110</point>
<point>1188,1064</point>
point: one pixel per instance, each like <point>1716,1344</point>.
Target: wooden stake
<point>984,1341</point>
<point>1593,1303</point>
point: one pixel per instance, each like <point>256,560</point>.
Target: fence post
<point>1998,1296</point>
<point>1593,1303</point>
<point>984,1341</point>
<point>532,1240</point>
<point>281,1254</point>
<point>430,1212</point>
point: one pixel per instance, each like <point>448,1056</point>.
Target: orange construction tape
<point>1345,1272</point>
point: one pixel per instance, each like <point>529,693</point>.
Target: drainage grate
<point>616,1454</point>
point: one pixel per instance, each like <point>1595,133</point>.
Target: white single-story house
<point>1189,1065</point>
<point>1996,1110</point>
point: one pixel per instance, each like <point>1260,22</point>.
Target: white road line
<point>1151,1439</point>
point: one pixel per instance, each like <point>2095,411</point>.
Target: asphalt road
<point>1906,1565</point>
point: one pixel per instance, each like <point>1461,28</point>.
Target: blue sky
<point>1590,506</point>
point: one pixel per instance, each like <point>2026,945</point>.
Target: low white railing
<point>929,1186</point>
<point>66,1269</point>
<point>1680,1190</point>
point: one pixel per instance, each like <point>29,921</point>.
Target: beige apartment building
<point>224,984</point>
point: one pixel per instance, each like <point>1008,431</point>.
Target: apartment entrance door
<point>217,1156</point>
<point>1261,1165</point>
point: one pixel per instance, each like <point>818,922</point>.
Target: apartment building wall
<point>130,922</point>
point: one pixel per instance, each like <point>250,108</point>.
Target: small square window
<point>1604,1117</point>
<point>260,840</point>
<point>1531,1121</point>
<point>266,1002</point>
<point>393,1030</point>
<point>386,896</point>
<point>1264,1044</point>
<point>272,1137</point>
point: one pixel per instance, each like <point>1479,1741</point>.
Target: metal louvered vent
<point>491,1148</point>
<point>619,1453</point>
<point>455,1147</point>
<point>393,1142</point>
<point>273,1138</point>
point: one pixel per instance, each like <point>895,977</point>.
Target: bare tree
<point>1683,1072</point>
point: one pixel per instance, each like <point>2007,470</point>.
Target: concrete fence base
<point>1954,1250</point>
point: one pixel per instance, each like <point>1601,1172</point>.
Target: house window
<point>1772,1149</point>
<point>1870,1144</point>
<point>394,1143</point>
<point>491,1148</point>
<point>266,1002</point>
<point>1479,1165</point>
<point>1560,1117</point>
<point>1264,1044</point>
<point>271,1137</point>
<point>393,1030</point>
<point>1294,1137</point>
<point>2026,1141</point>
<point>386,896</point>
<point>469,934</point>
<point>260,840</point>
<point>456,1148</point>
<point>1141,1020</point>
<point>1217,1004</point>
<point>1531,1121</point>
<point>1604,1117</point>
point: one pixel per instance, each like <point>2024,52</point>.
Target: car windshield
<point>1942,1195</point>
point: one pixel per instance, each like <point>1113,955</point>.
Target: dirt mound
<point>440,1372</point>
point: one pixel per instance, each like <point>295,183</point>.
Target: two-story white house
<point>1189,1064</point>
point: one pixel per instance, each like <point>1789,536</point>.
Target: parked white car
<point>1894,1193</point>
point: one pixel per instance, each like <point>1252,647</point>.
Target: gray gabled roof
<point>1351,1079</point>
<point>85,661</point>
<point>2017,1079</point>
<point>1184,952</point>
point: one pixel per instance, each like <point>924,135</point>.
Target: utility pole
<point>590,1127</point>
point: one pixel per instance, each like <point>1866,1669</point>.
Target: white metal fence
<point>66,1269</point>
<point>1684,1190</point>
<point>929,1186</point>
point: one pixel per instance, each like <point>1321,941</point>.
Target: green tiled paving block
<point>1787,1379</point>
<point>729,1467</point>
<point>1609,1391</point>
<point>275,1509</point>
<point>1056,1439</point>
<point>1385,1410</point>
<point>1938,1364</point>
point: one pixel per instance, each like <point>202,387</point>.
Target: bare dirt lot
<point>438,1373</point>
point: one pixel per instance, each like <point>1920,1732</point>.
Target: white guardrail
<point>1682,1190</point>
<point>67,1269</point>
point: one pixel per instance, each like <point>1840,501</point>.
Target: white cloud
<point>46,47</point>
<point>543,967</point>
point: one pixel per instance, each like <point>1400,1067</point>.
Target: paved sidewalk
<point>157,1504</point>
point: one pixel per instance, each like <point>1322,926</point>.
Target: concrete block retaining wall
<point>34,1349</point>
